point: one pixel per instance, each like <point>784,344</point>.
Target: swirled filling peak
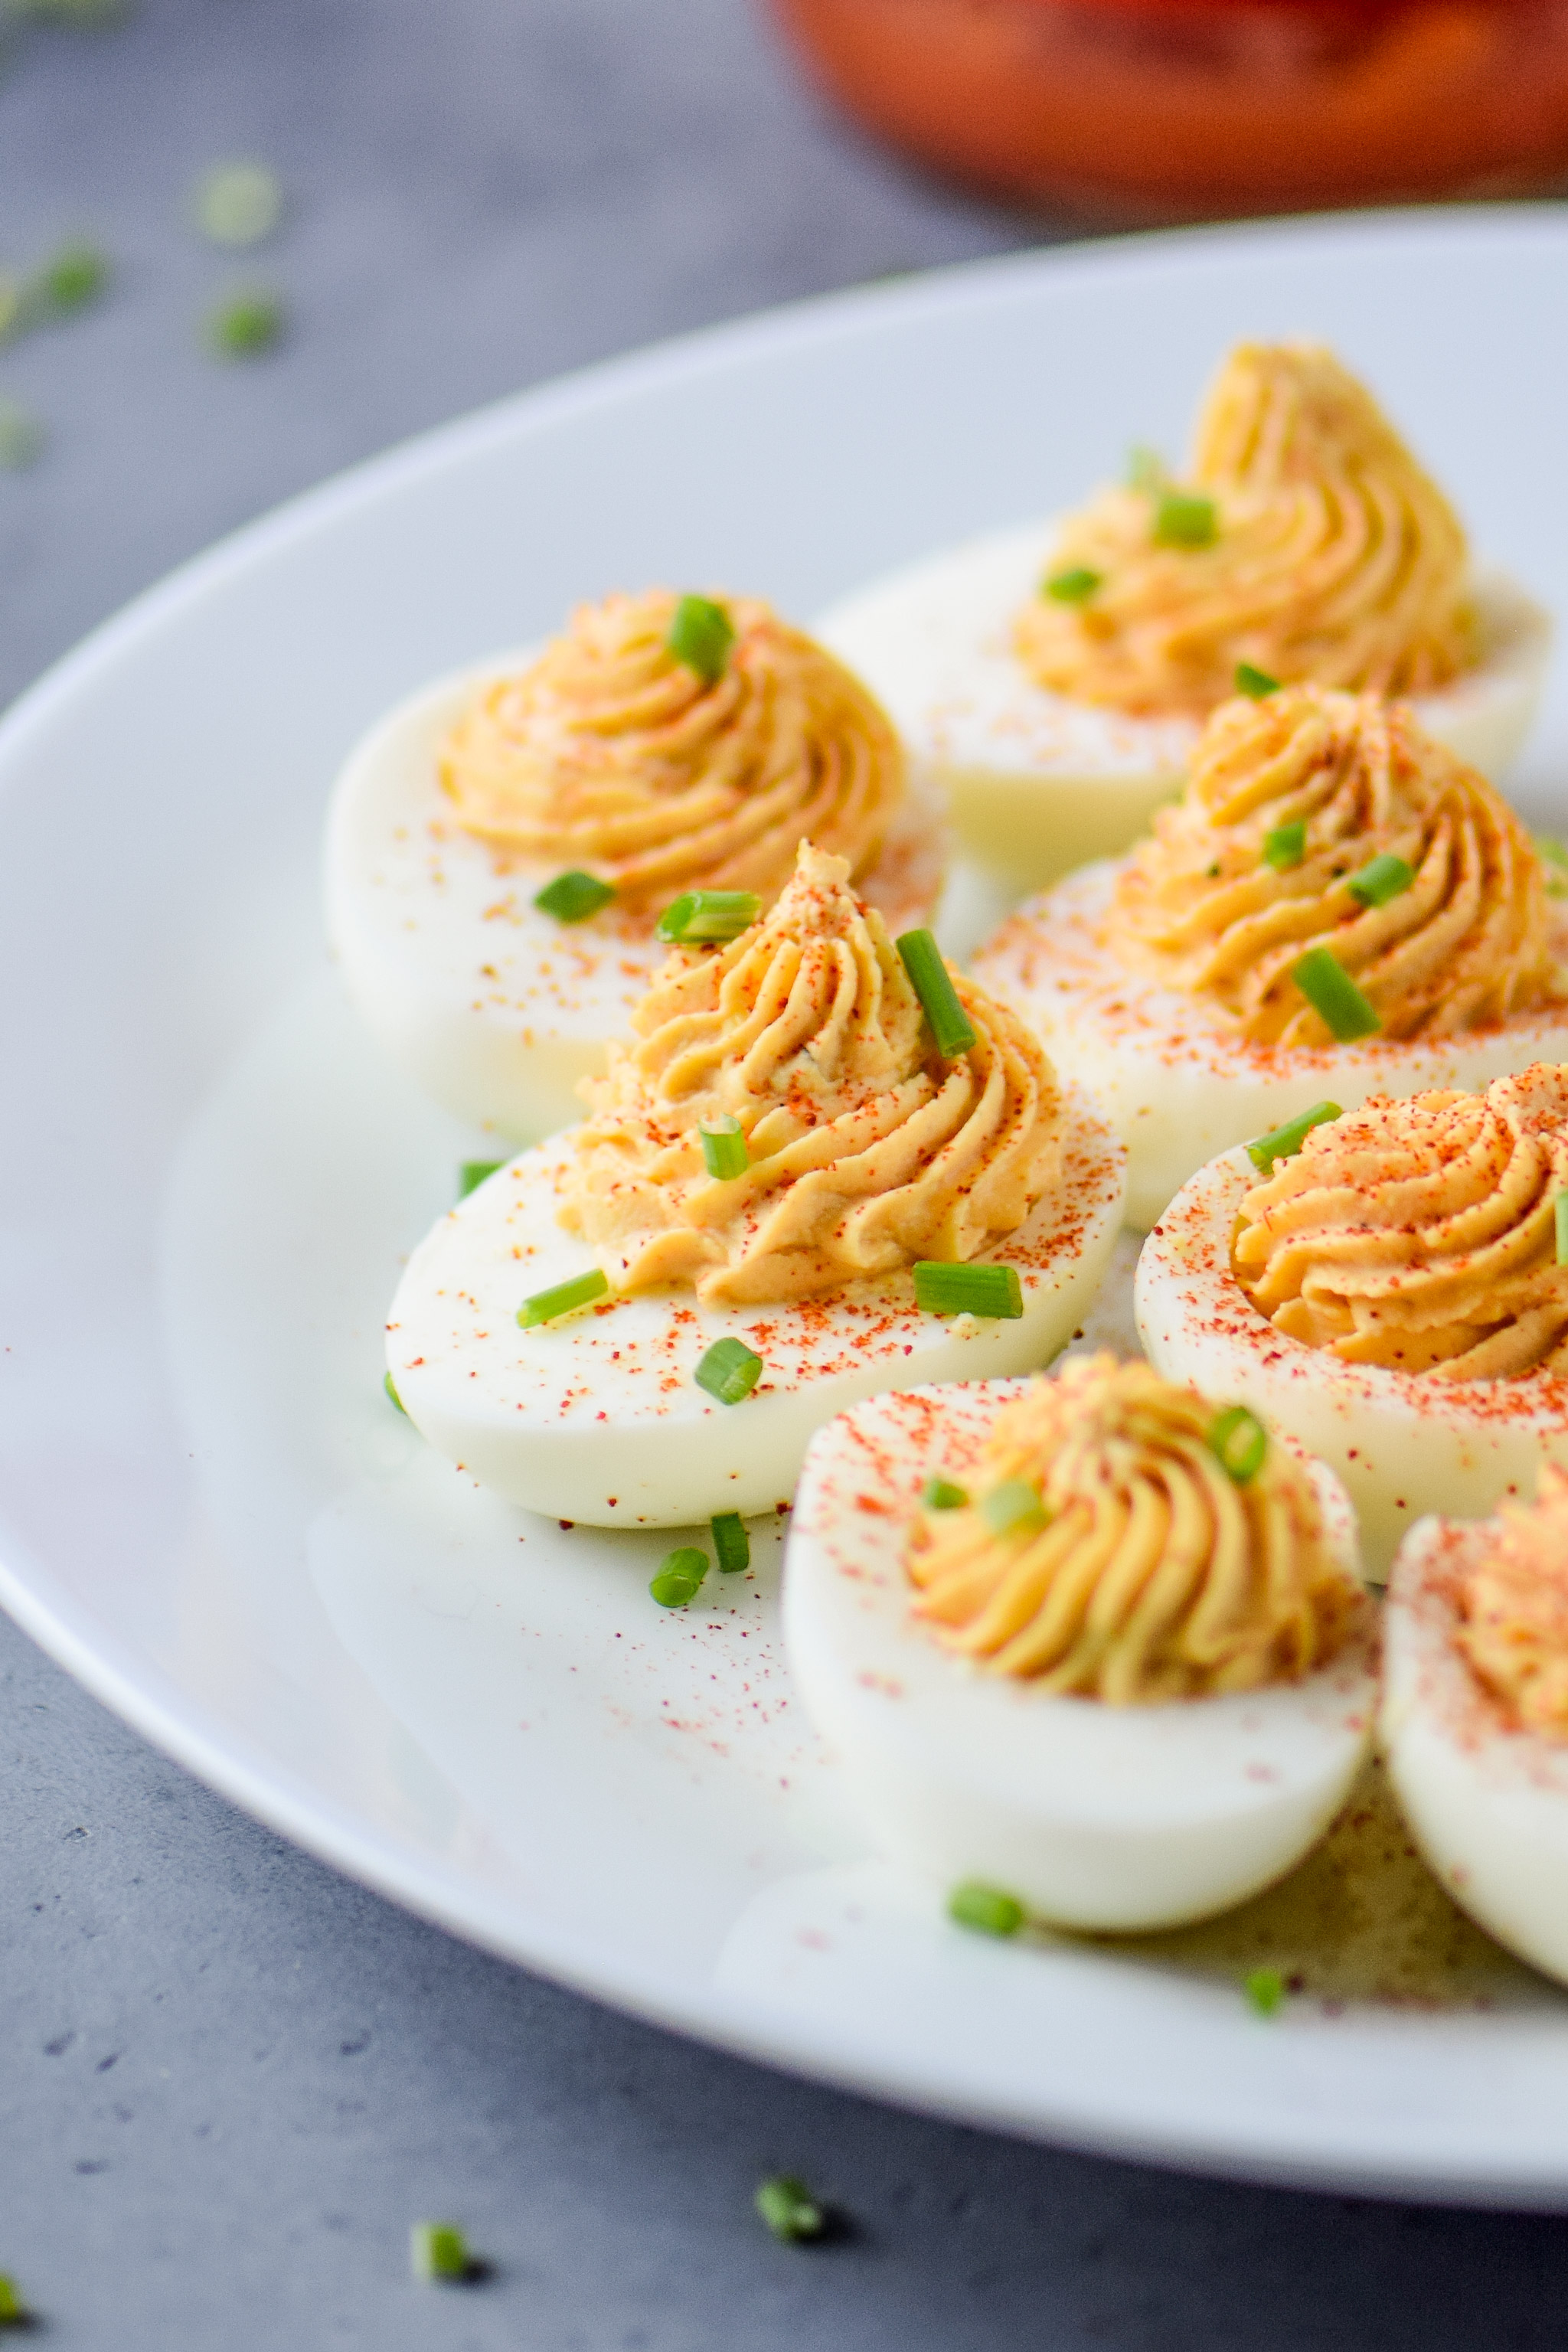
<point>1145,1569</point>
<point>866,1148</point>
<point>1422,1234</point>
<point>1304,539</point>
<point>1319,820</point>
<point>1514,1611</point>
<point>616,756</point>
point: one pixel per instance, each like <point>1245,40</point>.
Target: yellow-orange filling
<point>1515,1611</point>
<point>1422,1234</point>
<point>614,756</point>
<point>866,1148</point>
<point>1333,556</point>
<point>1269,853</point>
<point>1149,1573</point>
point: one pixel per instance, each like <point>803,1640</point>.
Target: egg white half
<point>1093,1816</point>
<point>1179,1088</point>
<point>1403,1446</point>
<point>597,1418</point>
<point>1038,784</point>
<point>1488,1802</point>
<point>496,1009</point>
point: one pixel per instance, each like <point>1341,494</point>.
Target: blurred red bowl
<point>1180,108</point>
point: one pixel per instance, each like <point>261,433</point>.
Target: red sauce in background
<point>1150,108</point>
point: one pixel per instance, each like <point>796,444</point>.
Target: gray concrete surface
<point>228,2080</point>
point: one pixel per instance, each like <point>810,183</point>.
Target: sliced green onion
<point>730,1372</point>
<point>13,2312</point>
<point>1073,587</point>
<point>1013,1509</point>
<point>1555,854</point>
<point>390,1385</point>
<point>1285,846</point>
<point>475,1173</point>
<point>562,1298</point>
<point>724,1151</point>
<point>439,2249</point>
<point>22,437</point>
<point>1332,993</point>
<point>941,1495</point>
<point>572,897</point>
<point>698,917</point>
<point>986,1909</point>
<point>1382,878</point>
<point>237,203</point>
<point>1284,1142</point>
<point>932,983</point>
<point>70,279</point>
<point>1254,682</point>
<point>1145,469</point>
<point>700,636</point>
<point>731,1544</point>
<point>1240,1442</point>
<point>945,1288</point>
<point>1185,519</point>
<point>246,325</point>
<point>1560,1213</point>
<point>679,1578</point>
<point>790,2209</point>
<point>1264,1990</point>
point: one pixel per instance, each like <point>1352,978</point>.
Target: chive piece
<point>932,983</point>
<point>562,1298</point>
<point>942,1287</point>
<point>1264,1990</point>
<point>1073,587</point>
<point>1560,1213</point>
<point>1255,683</point>
<point>699,916</point>
<point>1284,1142</point>
<point>724,1151</point>
<point>1241,1442</point>
<point>730,1372</point>
<point>941,1495</point>
<point>1285,846</point>
<point>439,2249</point>
<point>13,2312</point>
<point>573,896</point>
<point>789,2209</point>
<point>70,279</point>
<point>246,325</point>
<point>1332,993</point>
<point>1013,1509</point>
<point>1185,519</point>
<point>679,1578</point>
<point>700,636</point>
<point>236,204</point>
<point>1145,469</point>
<point>22,437</point>
<point>1554,853</point>
<point>1382,878</point>
<point>986,1909</point>
<point>475,1173</point>
<point>731,1544</point>
<point>390,1385</point>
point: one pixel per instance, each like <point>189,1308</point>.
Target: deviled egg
<point>1389,1289</point>
<point>820,1167</point>
<point>1337,907</point>
<point>1090,1640</point>
<point>1053,679</point>
<point>1475,1714</point>
<point>500,850</point>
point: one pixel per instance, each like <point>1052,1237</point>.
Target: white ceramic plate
<point>209,1512</point>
